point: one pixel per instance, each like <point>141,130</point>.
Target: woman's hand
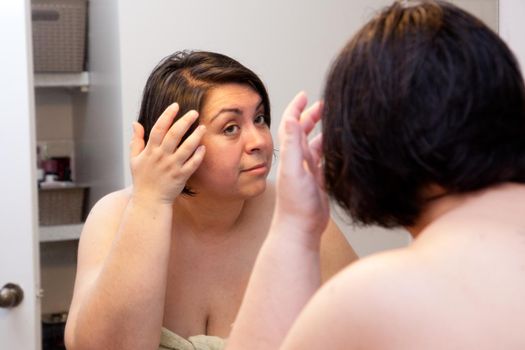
<point>161,168</point>
<point>290,255</point>
<point>301,199</point>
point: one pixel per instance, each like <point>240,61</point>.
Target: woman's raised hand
<point>161,168</point>
<point>301,199</point>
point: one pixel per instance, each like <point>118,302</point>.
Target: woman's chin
<point>254,190</point>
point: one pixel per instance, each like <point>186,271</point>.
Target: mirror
<point>289,44</point>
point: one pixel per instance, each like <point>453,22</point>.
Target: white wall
<point>512,27</point>
<point>98,115</point>
<point>487,10</point>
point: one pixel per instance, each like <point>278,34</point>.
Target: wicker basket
<point>61,206</point>
<point>59,35</point>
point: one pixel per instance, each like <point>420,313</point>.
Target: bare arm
<point>124,251</point>
<point>287,270</point>
<point>120,281</point>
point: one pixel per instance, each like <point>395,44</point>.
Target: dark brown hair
<point>424,94</point>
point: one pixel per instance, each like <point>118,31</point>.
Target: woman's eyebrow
<point>233,110</point>
<point>226,110</point>
<point>259,105</point>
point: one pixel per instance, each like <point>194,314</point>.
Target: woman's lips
<point>259,168</point>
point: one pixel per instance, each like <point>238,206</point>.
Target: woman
<point>424,127</point>
<point>176,249</point>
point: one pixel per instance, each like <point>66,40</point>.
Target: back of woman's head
<point>186,77</point>
<point>425,94</point>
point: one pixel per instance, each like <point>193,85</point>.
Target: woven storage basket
<point>59,35</point>
<point>61,206</point>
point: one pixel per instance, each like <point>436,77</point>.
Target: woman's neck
<point>501,198</point>
<point>435,210</point>
<point>205,216</point>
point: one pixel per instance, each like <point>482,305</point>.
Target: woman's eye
<point>260,119</point>
<point>231,129</point>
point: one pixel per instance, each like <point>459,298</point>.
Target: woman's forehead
<point>231,96</point>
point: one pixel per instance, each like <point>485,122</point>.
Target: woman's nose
<point>256,139</point>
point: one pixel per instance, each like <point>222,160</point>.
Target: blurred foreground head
<point>425,94</point>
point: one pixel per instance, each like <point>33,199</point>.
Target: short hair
<point>424,94</point>
<point>186,77</point>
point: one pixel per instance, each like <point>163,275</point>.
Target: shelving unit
<point>60,95</point>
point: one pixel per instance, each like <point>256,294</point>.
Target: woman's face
<point>239,146</point>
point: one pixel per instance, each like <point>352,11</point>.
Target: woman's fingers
<point>137,140</point>
<point>309,159</point>
<point>293,111</point>
<point>310,117</point>
<point>313,149</point>
<point>195,160</point>
<point>162,125</point>
<point>291,155</point>
<point>175,133</point>
<point>307,117</point>
<point>299,194</point>
<point>188,148</point>
<point>290,135</point>
<point>316,147</point>
<point>296,125</point>
<point>168,135</point>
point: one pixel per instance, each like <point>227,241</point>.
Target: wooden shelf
<point>66,80</point>
<point>60,233</point>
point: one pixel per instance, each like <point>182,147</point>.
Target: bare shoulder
<point>376,283</point>
<point>102,222</point>
<point>111,203</point>
<point>369,295</point>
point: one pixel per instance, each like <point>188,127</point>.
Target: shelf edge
<point>59,233</point>
<point>80,80</point>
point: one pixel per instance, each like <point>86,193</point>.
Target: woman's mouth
<point>257,169</point>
